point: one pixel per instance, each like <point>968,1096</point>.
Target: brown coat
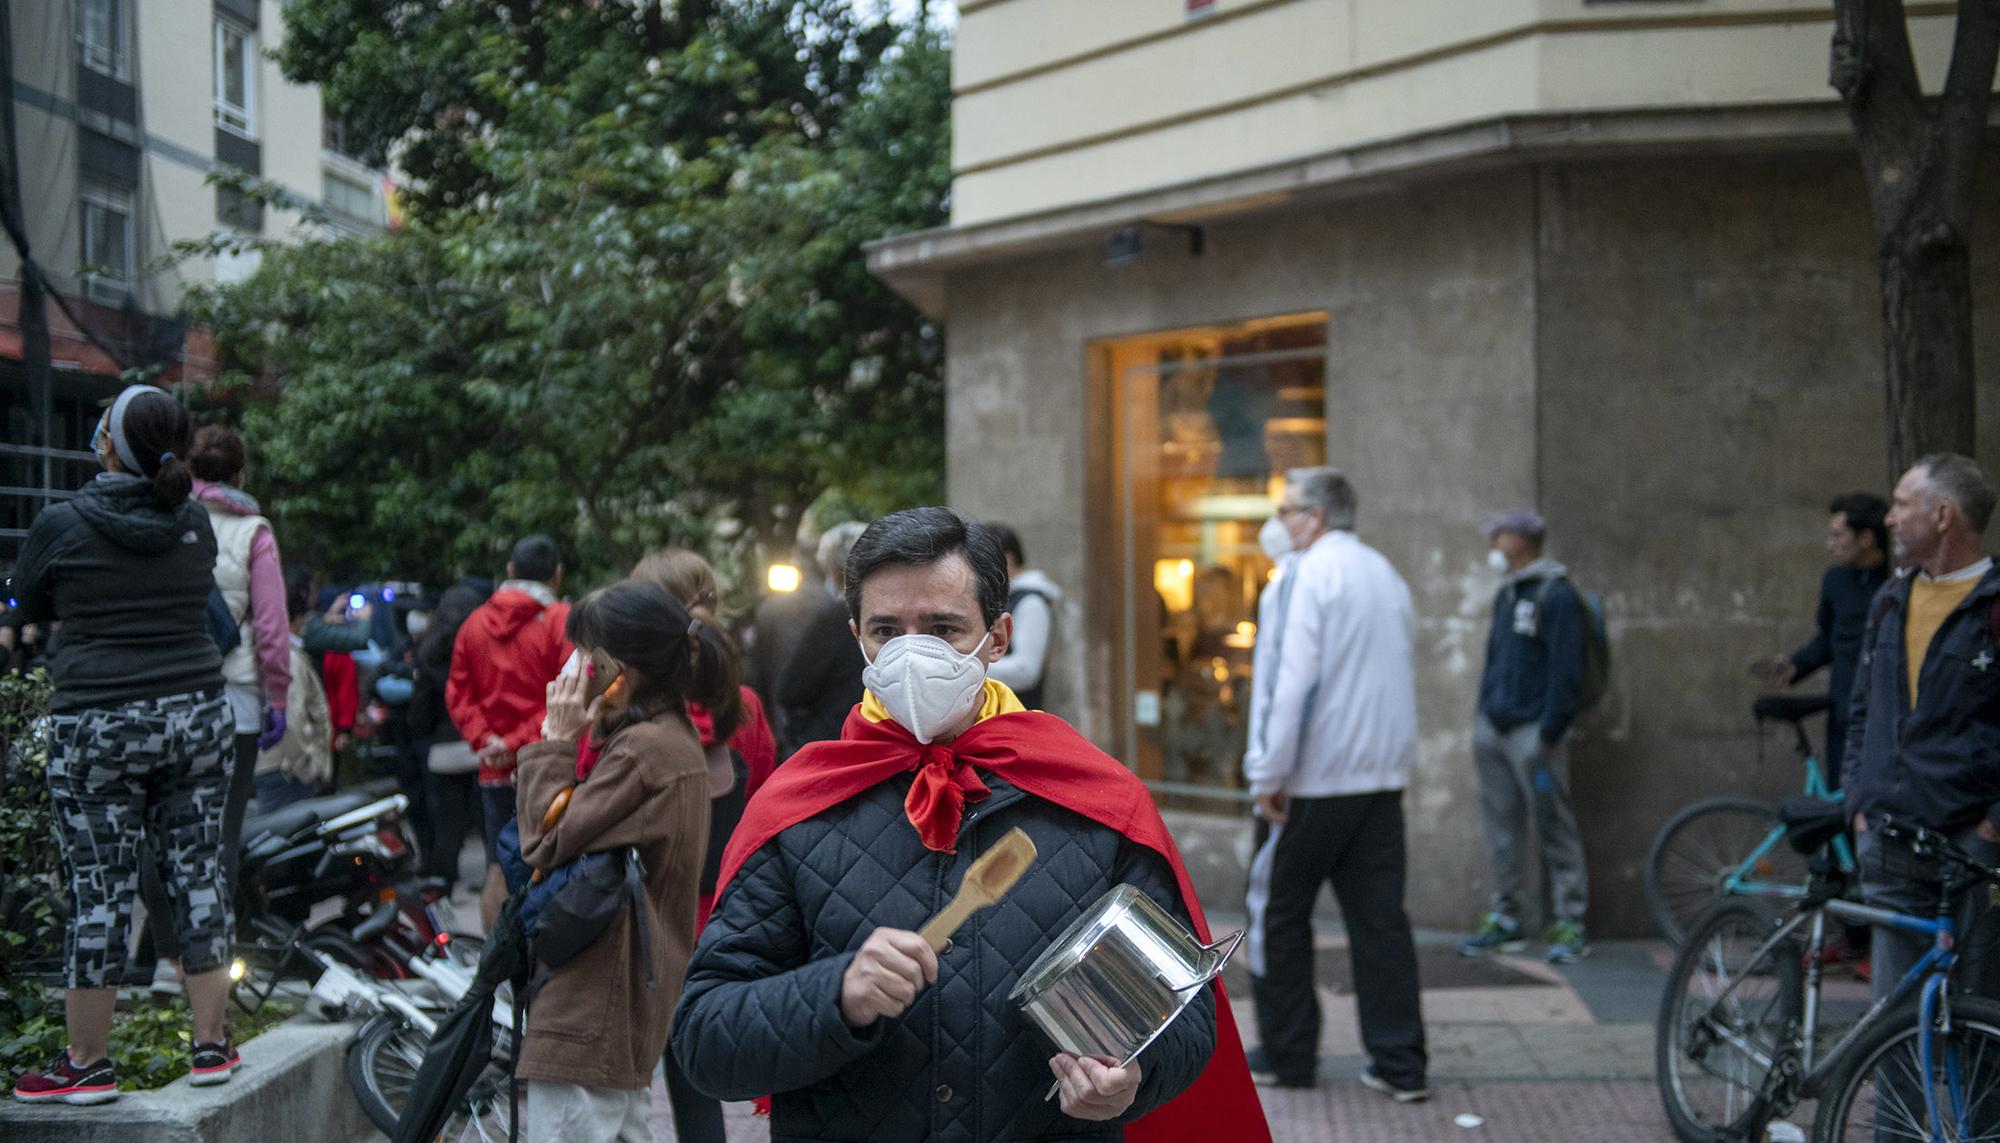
<point>595,1022</point>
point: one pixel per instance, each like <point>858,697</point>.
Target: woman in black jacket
<point>139,733</point>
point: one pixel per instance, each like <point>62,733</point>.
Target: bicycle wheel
<point>1724,1017</point>
<point>1879,1092</point>
<point>382,1065</point>
<point>1697,851</point>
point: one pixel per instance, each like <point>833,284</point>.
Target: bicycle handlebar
<point>1929,843</point>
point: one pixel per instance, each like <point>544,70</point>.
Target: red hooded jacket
<point>501,665</point>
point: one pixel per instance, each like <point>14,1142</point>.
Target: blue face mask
<point>97,437</point>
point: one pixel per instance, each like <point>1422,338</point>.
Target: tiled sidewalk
<point>1520,1053</point>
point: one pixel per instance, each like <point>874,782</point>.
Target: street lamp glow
<point>783,578</point>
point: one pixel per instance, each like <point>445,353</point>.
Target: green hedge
<point>150,1040</point>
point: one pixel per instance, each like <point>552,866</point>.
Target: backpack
<point>222,626</point>
<point>565,911</point>
<point>1596,678</point>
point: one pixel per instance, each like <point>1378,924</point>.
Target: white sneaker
<point>166,978</point>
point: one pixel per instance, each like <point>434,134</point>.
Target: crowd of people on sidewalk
<point>798,803</point>
<point>183,654</point>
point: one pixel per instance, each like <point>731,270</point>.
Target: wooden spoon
<point>985,883</point>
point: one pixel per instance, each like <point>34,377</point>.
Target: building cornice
<point>1580,25</point>
<point>915,264</point>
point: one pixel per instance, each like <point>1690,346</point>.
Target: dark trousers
<point>413,774</point>
<point>1354,842</point>
<point>697,1117</point>
<point>455,797</point>
<point>159,941</point>
<point>1894,878</point>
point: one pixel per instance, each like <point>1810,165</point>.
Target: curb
<point>292,1086</point>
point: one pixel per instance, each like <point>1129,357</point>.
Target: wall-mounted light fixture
<point>1128,244</point>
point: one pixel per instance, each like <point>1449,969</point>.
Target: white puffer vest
<point>233,536</point>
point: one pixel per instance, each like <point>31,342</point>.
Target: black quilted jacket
<point>760,1013</point>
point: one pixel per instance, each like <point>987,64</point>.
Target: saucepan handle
<point>1222,951</point>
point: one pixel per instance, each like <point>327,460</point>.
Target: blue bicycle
<point>1739,1035</point>
<point>1730,845</point>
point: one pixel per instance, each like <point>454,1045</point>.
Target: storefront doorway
<point>1205,423</point>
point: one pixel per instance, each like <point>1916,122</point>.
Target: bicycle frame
<point>1931,975</point>
<point>1741,881</point>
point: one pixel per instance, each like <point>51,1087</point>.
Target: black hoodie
<point>129,582</point>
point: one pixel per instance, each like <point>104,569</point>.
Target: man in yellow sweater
<point>1924,732</point>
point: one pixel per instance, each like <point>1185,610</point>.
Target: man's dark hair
<point>536,558</point>
<point>1010,542</point>
<point>1864,512</point>
<point>919,537</point>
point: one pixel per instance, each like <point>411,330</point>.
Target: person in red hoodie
<point>496,693</point>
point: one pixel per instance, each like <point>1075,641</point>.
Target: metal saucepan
<point>1115,979</point>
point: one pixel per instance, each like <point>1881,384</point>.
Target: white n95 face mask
<point>1275,539</point>
<point>925,684</point>
<point>1497,560</point>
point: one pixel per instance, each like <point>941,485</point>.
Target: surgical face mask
<point>1497,560</point>
<point>925,683</point>
<point>418,623</point>
<point>1275,539</point>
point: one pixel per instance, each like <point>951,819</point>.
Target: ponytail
<point>717,682</point>
<point>173,483</point>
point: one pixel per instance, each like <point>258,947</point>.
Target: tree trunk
<point>1921,159</point>
<point>1927,328</point>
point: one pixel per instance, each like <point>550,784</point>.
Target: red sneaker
<point>64,1082</point>
<point>212,1064</point>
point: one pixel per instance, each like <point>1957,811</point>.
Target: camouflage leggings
<point>158,769</point>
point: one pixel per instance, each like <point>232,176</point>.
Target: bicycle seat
<point>1790,708</point>
<point>1810,823</point>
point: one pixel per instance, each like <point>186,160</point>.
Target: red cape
<point>1044,756</point>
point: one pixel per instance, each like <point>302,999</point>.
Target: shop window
<point>1208,422</point>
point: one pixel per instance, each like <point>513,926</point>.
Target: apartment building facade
<point>1610,258</point>
<point>120,111</point>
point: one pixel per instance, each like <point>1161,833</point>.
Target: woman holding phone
<point>741,753</point>
<point>620,753</point>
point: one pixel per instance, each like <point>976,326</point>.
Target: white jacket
<point>1343,708</point>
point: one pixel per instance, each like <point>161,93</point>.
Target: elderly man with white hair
<point>1328,767</point>
<point>1923,734</point>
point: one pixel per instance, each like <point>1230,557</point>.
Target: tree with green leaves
<point>629,307</point>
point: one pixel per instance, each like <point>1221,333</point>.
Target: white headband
<point>118,441</point>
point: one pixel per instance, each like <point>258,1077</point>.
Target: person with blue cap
<point>1529,696</point>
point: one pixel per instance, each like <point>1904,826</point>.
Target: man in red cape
<point>809,981</point>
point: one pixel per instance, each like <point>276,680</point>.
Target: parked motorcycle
<point>329,893</point>
<point>339,875</point>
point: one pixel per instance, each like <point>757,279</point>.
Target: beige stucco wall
<point>1675,357</point>
<point>1060,103</point>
